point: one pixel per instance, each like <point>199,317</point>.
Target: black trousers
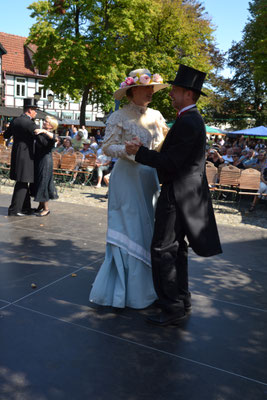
<point>169,252</point>
<point>21,201</point>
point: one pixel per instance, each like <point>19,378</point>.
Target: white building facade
<point>20,79</point>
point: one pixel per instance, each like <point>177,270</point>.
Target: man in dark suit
<point>22,158</point>
<point>184,209</point>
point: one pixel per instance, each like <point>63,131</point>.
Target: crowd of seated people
<point>92,145</point>
<point>243,153</point>
<point>71,140</point>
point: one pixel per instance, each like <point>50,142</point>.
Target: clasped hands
<point>46,132</point>
<point>38,131</point>
<point>133,146</point>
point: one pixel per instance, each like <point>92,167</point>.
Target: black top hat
<point>189,78</point>
<point>29,103</point>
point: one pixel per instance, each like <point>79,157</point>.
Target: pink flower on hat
<point>157,78</point>
<point>123,84</point>
<point>144,79</point>
<point>129,81</point>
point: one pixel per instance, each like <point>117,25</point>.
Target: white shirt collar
<point>186,108</point>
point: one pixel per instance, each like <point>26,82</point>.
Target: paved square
<point>55,345</point>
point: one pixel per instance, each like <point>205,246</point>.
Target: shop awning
<point>76,122</point>
<point>17,111</point>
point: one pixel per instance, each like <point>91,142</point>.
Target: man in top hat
<point>22,158</point>
<point>184,210</point>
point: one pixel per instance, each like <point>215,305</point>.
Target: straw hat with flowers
<point>140,77</point>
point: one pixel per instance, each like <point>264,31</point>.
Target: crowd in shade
<point>242,153</point>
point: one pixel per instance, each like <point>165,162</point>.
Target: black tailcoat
<point>181,162</point>
<point>22,157</point>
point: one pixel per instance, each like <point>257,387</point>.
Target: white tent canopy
<point>257,131</point>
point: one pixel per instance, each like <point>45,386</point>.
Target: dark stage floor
<point>54,345</point>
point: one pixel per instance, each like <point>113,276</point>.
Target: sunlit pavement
<point>54,344</point>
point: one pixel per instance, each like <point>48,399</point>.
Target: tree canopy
<point>255,39</point>
<point>90,46</point>
<point>241,99</point>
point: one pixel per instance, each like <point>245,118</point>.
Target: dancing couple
<point>149,230</point>
<point>31,162</point>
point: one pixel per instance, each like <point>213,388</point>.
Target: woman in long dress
<point>125,277</point>
<point>44,188</point>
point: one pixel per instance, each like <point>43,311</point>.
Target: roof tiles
<point>17,60</point>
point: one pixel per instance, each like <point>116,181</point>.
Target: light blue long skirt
<point>125,277</point>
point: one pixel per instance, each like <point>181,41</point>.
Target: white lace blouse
<point>129,122</point>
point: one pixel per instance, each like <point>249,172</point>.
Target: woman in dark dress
<point>44,188</point>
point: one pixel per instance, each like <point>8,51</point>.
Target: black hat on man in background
<point>29,103</point>
<point>189,78</point>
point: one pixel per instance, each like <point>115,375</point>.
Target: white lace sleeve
<point>113,145</point>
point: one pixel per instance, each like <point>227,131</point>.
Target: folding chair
<point>5,161</point>
<point>211,173</point>
<point>228,180</point>
<point>67,168</point>
<point>249,183</point>
<point>87,168</point>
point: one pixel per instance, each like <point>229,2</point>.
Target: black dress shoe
<point>187,303</point>
<point>18,214</point>
<point>157,303</point>
<point>186,300</point>
<point>164,319</point>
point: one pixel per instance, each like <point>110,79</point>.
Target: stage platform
<point>55,345</point>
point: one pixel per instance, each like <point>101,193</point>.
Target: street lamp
<point>50,98</point>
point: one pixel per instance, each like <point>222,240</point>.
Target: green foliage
<point>241,100</point>
<point>255,39</point>
<point>90,46</point>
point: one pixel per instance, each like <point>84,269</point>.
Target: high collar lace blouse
<point>131,121</point>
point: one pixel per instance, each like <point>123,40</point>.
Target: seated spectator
<point>260,145</point>
<point>86,148</point>
<point>261,160</point>
<point>98,136</point>
<point>94,144</point>
<point>66,148</point>
<point>244,154</point>
<point>77,141</point>
<point>237,149</point>
<point>228,156</point>
<point>262,189</point>
<point>106,180</point>
<point>242,143</point>
<point>84,151</point>
<point>58,145</point>
<point>250,159</point>
<point>215,157</point>
<point>102,164</point>
<point>223,150</point>
<point>236,161</point>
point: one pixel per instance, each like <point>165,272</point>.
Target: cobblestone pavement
<point>226,212</point>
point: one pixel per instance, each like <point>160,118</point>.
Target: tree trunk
<point>84,103</point>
